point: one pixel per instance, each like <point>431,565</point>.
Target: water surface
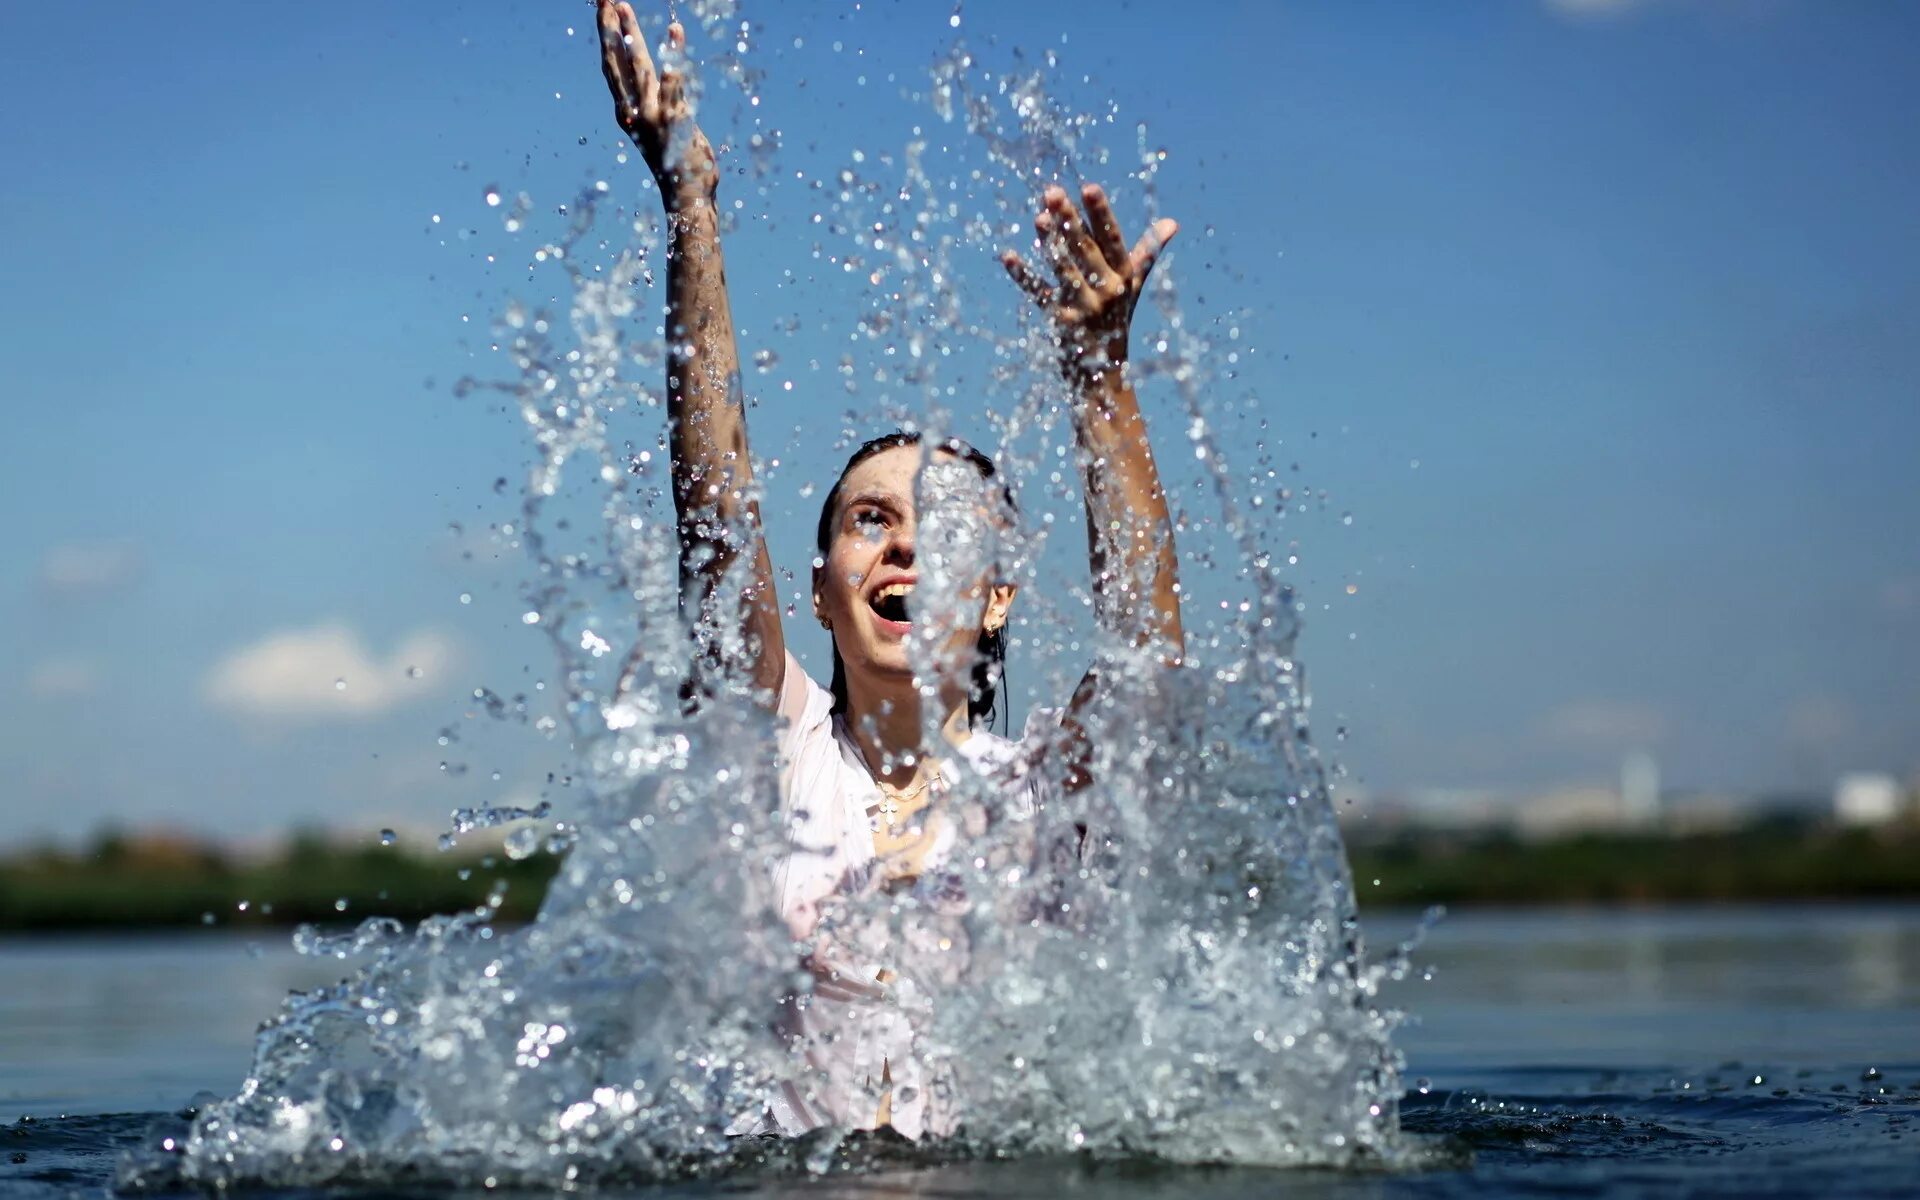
<point>1747,1050</point>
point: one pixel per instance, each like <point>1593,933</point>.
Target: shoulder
<point>1041,728</point>
<point>1015,763</point>
<point>805,708</point>
<point>810,758</point>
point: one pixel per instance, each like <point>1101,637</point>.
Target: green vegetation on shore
<point>1775,861</point>
<point>160,883</point>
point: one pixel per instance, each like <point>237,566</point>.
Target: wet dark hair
<point>990,666</point>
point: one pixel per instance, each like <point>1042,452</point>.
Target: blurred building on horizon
<point>1634,803</point>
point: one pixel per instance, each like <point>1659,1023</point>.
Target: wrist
<point>687,200</point>
<point>695,215</point>
<point>683,190</point>
<point>1103,361</point>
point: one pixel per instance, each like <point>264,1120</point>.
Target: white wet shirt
<point>853,1053</point>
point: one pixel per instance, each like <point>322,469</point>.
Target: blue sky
<point>1634,284</point>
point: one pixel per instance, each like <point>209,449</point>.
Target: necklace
<point>902,843</point>
<point>892,798</point>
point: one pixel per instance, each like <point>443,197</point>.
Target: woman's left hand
<point>1098,280</point>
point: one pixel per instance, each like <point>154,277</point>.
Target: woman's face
<point>866,587</point>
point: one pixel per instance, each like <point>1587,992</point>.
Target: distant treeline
<point>147,883</point>
<point>155,883</point>
<point>1784,860</point>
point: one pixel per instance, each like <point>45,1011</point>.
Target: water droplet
<point>388,837</point>
<point>339,685</point>
<point>522,843</point>
<point>904,228</point>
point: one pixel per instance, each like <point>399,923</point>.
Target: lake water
<point>1739,1051</point>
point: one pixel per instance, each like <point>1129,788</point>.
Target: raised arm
<point>719,518</point>
<point>1097,283</point>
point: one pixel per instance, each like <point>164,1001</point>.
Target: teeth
<point>894,589</point>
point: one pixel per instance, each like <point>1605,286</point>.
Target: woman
<point>860,787</point>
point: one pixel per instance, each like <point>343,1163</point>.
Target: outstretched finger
<point>1046,229</point>
<point>1024,277</point>
<point>624,55</point>
<point>1106,230</point>
<point>1073,232</point>
<point>1146,251</point>
<point>614,61</point>
<point>673,83</point>
<point>637,52</point>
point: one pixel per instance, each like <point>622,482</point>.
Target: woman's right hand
<point>652,108</point>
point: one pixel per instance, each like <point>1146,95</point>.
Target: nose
<point>899,548</point>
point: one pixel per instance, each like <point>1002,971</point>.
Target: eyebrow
<point>886,500</point>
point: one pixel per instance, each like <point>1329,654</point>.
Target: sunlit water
<point>1598,1053</point>
<point>1198,990</point>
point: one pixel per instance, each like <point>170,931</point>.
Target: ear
<point>999,600</point>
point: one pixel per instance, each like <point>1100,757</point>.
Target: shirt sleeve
<point>813,864</point>
<point>803,705</point>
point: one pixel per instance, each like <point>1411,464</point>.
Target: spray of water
<point>1164,963</point>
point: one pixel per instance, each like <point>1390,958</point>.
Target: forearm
<point>1129,529</point>
<point>719,519</point>
<point>706,420</point>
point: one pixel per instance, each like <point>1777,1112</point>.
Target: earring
<point>825,623</point>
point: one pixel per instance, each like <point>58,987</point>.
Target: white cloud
<point>81,568</point>
<point>1605,723</point>
<point>63,679</point>
<point>326,671</point>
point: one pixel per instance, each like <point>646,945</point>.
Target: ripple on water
<point>1608,1134</point>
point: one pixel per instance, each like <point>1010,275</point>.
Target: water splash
<point>1166,962</point>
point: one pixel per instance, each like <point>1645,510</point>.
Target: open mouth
<point>890,603</point>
